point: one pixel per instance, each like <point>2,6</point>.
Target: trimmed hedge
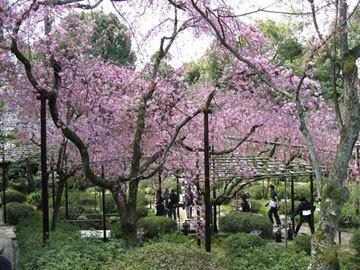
<point>303,243</point>
<point>165,256</point>
<point>255,206</point>
<point>15,196</point>
<point>246,222</point>
<point>17,211</point>
<point>155,225</point>
<point>238,241</point>
<point>355,241</point>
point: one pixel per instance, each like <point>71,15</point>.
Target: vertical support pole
<point>103,205</point>
<point>95,198</point>
<point>215,218</point>
<point>160,181</point>
<point>178,197</point>
<point>44,175</point>
<point>207,182</point>
<point>197,211</point>
<point>357,157</point>
<point>340,237</point>
<point>286,225</point>
<point>312,199</point>
<point>66,200</point>
<point>4,181</point>
<point>53,183</point>
<point>292,203</point>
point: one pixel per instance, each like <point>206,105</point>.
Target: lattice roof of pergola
<point>16,153</point>
<point>226,167</point>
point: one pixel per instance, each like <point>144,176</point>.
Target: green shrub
<point>141,211</point>
<point>265,258</point>
<point>242,241</point>
<point>255,206</point>
<point>246,222</point>
<point>257,192</point>
<point>288,208</point>
<point>116,231</point>
<point>164,255</point>
<point>15,196</point>
<point>17,211</point>
<point>154,225</point>
<point>303,243</point>
<point>355,241</point>
<point>299,191</point>
<point>66,248</point>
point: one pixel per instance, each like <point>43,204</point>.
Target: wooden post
<point>286,230</point>
<point>4,182</point>
<point>53,183</point>
<point>44,175</point>
<point>207,182</point>
<point>103,205</point>
<point>292,203</point>
<point>199,194</point>
<point>160,182</point>
<point>312,199</point>
<point>215,218</point>
<point>178,196</point>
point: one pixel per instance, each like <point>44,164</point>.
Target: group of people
<point>305,210</point>
<point>166,205</point>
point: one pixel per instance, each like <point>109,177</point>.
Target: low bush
<point>246,222</point>
<point>17,211</point>
<point>155,225</point>
<point>349,216</point>
<point>15,196</point>
<point>299,191</point>
<point>116,231</point>
<point>265,258</point>
<point>258,192</point>
<point>255,206</point>
<point>288,207</point>
<point>242,241</point>
<point>303,243</point>
<point>66,249</point>
<point>142,211</point>
<point>355,241</point>
<point>165,255</point>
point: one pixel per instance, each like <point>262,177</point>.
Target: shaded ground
<point>8,242</point>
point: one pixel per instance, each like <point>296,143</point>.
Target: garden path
<point>8,241</point>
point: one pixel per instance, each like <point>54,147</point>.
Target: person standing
<point>274,206</point>
<point>159,204</point>
<point>173,202</point>
<point>245,207</point>
<point>189,200</point>
<point>166,202</point>
<point>304,210</point>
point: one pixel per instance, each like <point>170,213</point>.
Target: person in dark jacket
<point>166,198</point>
<point>245,207</point>
<point>159,203</point>
<point>274,206</point>
<point>189,201</point>
<point>173,201</point>
<point>304,210</point>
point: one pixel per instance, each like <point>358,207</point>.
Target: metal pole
<point>207,182</point>
<point>340,237</point>
<point>292,204</point>
<point>44,175</point>
<point>66,200</point>
<point>103,204</point>
<point>312,199</point>
<point>197,211</point>
<point>4,182</point>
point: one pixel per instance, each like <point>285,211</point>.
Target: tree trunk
<point>127,212</point>
<point>57,205</point>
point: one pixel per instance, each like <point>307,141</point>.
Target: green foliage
<point>15,196</point>
<point>355,241</point>
<point>350,213</point>
<point>155,225</point>
<point>266,258</point>
<point>299,191</point>
<point>109,40</point>
<point>255,206</point>
<point>165,256</point>
<point>259,192</point>
<point>17,211</point>
<point>242,241</point>
<point>142,211</point>
<point>287,208</point>
<point>246,222</point>
<point>303,243</point>
<point>65,250</point>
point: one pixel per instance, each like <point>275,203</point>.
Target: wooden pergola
<point>233,168</point>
